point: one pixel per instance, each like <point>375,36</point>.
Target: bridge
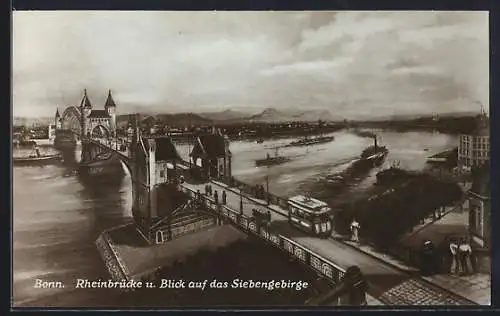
<point>167,191</point>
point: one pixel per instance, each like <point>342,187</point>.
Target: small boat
<point>311,141</point>
<point>362,133</point>
<point>335,179</point>
<point>393,174</point>
<point>36,160</point>
<point>269,161</point>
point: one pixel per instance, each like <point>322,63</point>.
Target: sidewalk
<point>475,287</point>
<point>451,224</point>
<point>273,207</point>
<point>377,255</point>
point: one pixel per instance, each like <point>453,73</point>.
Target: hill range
<point>269,115</point>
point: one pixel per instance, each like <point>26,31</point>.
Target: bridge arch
<point>71,119</point>
<point>100,131</point>
<point>128,167</point>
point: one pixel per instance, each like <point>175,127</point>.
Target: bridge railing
<point>249,189</point>
<point>321,265</point>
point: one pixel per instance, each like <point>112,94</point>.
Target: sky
<point>354,64</point>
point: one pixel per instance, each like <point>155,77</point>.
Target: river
<point>57,217</point>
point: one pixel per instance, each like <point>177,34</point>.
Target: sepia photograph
<point>250,159</point>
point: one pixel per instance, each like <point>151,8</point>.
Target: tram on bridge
<point>310,215</point>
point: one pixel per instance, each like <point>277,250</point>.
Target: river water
<point>57,217</point>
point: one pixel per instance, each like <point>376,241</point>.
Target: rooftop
<point>213,145</point>
<point>109,101</point>
<point>165,149</point>
<point>85,100</point>
<point>99,114</point>
<point>307,201</point>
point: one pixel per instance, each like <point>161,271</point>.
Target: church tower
<point>110,108</point>
<point>85,109</point>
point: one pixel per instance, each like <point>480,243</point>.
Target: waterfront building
<point>474,148</point>
<point>52,131</point>
<point>478,223</point>
<point>98,123</point>
<point>479,197</point>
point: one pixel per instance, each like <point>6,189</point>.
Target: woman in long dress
<point>465,252</point>
<point>454,260</point>
<point>355,231</point>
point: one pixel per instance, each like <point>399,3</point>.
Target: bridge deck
<point>381,276</point>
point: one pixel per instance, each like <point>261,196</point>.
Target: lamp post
<point>267,189</point>
<point>241,201</point>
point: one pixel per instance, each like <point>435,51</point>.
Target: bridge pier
<point>64,139</point>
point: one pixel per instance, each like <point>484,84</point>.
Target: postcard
<point>264,159</point>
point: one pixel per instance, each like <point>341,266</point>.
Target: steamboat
<point>373,155</point>
<point>308,141</point>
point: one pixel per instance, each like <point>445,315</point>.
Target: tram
<point>310,215</point>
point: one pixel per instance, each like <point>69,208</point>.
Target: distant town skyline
<point>354,64</point>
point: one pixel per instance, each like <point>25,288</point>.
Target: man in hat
<point>216,197</point>
<point>427,258</point>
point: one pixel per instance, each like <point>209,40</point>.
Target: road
<point>383,275</point>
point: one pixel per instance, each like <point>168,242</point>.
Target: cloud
<point>307,66</point>
<point>346,62</point>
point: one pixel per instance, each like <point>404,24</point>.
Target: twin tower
<point>93,122</point>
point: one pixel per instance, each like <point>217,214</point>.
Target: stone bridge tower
<point>57,120</point>
<point>85,109</point>
<point>110,108</point>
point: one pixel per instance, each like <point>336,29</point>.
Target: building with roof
<point>212,155</point>
<point>474,148</point>
<point>162,211</point>
<point>479,196</point>
<point>97,122</point>
<point>479,216</point>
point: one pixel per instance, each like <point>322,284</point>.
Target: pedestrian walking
<point>198,196</point>
<point>355,227</point>
<point>216,197</point>
<point>206,189</point>
<point>224,198</point>
<point>454,259</point>
<point>465,251</point>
